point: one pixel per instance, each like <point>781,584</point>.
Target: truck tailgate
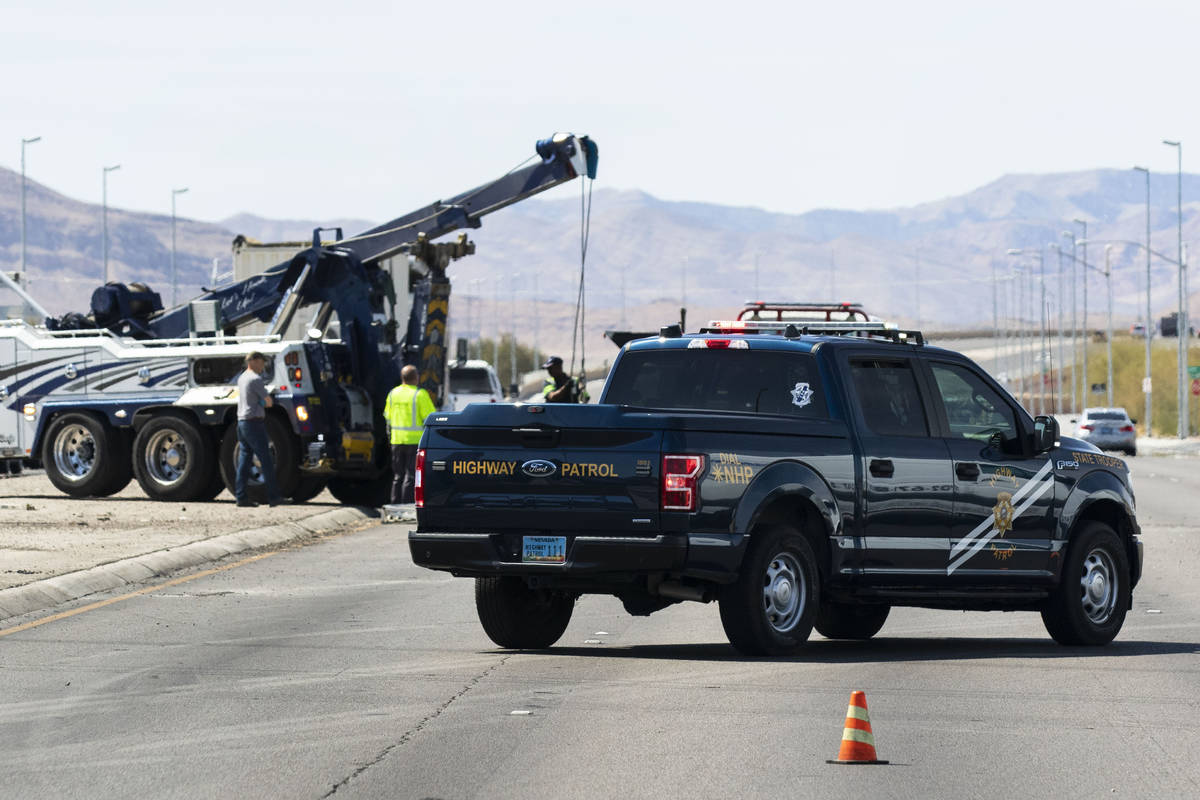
<point>505,467</point>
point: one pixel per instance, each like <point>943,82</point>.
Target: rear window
<point>748,381</point>
<point>470,380</point>
<point>220,370</point>
<point>1112,415</point>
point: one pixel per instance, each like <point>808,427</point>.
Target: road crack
<point>407,736</point>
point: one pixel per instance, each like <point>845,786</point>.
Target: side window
<point>973,409</point>
<point>887,393</point>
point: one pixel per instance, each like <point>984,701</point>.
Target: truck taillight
<point>419,480</point>
<point>680,482</point>
<point>1087,427</point>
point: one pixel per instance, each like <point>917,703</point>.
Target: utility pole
<point>104,200</point>
<point>917,284</point>
<point>1087,387</point>
<point>757,294</point>
<point>174,272</point>
<point>23,143</point>
<point>1181,325</point>
<point>1147,384</point>
<point>1108,281</point>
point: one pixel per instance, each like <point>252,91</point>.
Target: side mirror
<point>1045,433</point>
<point>1134,421</point>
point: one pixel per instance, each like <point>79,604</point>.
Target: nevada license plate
<point>544,549</point>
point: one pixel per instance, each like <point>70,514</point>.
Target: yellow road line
<point>173,582</point>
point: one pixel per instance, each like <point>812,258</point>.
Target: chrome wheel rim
<point>1098,586</point>
<point>783,593</point>
<point>166,457</point>
<point>74,452</point>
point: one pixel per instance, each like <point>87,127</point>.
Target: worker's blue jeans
<point>252,436</point>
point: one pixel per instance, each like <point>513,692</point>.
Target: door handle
<point>967,471</point>
<point>882,468</point>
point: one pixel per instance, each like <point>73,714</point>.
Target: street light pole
<point>23,143</point>
<point>1181,325</point>
<point>1058,390</point>
<point>1086,387</point>
<point>1108,282</point>
<point>174,273</point>
<point>995,319</point>
<point>104,199</point>
<point>1074,325</point>
<point>1147,384</point>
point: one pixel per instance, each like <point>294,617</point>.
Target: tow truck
<point>133,390</point>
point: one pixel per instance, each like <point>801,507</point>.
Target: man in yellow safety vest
<point>406,409</point>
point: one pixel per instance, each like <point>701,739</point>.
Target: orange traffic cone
<point>858,743</point>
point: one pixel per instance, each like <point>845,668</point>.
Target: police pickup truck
<point>799,477</point>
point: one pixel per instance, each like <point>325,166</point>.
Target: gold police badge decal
<point>1002,513</point>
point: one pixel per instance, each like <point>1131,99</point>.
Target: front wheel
<point>769,609</point>
<point>1088,606</point>
<point>845,621</point>
<point>519,618</point>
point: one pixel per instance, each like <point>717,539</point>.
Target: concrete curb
<point>50,592</point>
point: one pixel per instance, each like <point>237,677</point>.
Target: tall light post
<point>1058,383</point>
<point>515,384</point>
<point>1042,340</point>
<point>1181,325</point>
<point>104,216</point>
<point>995,318</point>
<point>1074,322</point>
<point>1108,282</point>
<point>24,142</point>
<point>174,273</point>
<point>1147,384</point>
<point>1086,387</point>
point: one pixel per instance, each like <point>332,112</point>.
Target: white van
<point>472,382</point>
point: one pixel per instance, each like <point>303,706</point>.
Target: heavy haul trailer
<point>135,391</point>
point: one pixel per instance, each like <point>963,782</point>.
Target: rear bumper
<point>593,558</point>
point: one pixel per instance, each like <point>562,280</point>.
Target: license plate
<point>544,549</point>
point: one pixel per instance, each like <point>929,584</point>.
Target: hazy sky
<point>371,109</point>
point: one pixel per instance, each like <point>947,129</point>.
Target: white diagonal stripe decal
<point>988,521</point>
<point>1048,483</point>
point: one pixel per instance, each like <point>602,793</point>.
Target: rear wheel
<point>1088,607</point>
<point>373,493</point>
<point>307,489</point>
<point>84,456</point>
<point>520,618</point>
<point>846,621</point>
<point>173,459</point>
<point>284,449</point>
<point>769,609</point>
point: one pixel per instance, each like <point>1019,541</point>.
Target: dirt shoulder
<point>44,533</point>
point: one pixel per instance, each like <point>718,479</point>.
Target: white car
<point>472,382</point>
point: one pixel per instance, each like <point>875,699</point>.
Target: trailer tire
<point>307,489</point>
<point>372,493</point>
<point>284,449</point>
<point>84,457</point>
<point>173,459</point>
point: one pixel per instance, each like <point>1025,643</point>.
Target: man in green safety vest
<point>406,409</point>
<point>561,387</point>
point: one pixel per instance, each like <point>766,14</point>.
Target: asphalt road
<point>339,669</point>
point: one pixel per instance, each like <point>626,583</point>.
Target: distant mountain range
<point>931,263</point>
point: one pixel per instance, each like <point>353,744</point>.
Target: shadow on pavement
<point>823,651</point>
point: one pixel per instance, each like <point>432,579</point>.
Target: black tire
<point>770,609</point>
<point>84,457</point>
<point>285,449</point>
<point>372,493</point>
<point>307,489</point>
<point>14,467</point>
<point>519,618</point>
<point>1089,604</point>
<point>173,459</point>
<point>845,621</point>
<point>1132,451</point>
<point>216,483</point>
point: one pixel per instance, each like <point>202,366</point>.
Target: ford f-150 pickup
<point>797,477</point>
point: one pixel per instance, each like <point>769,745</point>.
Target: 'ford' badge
<point>538,468</point>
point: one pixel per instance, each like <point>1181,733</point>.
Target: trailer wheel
<point>307,489</point>
<point>172,459</point>
<point>284,449</point>
<point>84,457</point>
<point>371,493</point>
